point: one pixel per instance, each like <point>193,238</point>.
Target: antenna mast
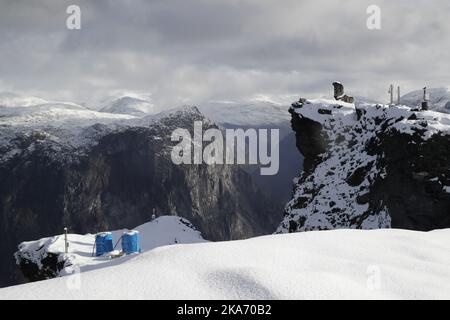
<point>391,92</point>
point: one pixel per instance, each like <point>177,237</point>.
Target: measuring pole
<point>66,244</point>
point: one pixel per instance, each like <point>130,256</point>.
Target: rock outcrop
<point>369,167</point>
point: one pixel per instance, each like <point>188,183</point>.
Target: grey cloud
<point>189,51</point>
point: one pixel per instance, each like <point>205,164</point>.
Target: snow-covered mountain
<point>46,258</point>
<point>371,166</point>
<point>340,264</point>
<point>64,125</point>
<point>439,99</point>
<point>10,99</point>
<point>54,115</point>
<point>129,105</point>
<point>246,113</point>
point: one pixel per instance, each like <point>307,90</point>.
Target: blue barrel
<point>131,242</point>
<point>103,243</point>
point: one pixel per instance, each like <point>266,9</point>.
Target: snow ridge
<point>337,264</point>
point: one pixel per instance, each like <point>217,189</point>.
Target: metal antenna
<point>391,92</point>
<point>398,95</point>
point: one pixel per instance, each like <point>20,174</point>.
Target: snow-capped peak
<point>131,104</point>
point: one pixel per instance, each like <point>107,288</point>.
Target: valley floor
<point>341,264</point>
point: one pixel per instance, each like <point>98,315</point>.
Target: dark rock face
<point>416,172</point>
<point>367,168</point>
<point>278,188</point>
<point>51,266</point>
<point>117,182</point>
<point>357,177</point>
<point>310,140</point>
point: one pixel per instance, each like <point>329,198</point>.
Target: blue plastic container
<point>103,243</point>
<point>131,242</point>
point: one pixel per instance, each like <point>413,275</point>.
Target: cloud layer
<point>192,51</point>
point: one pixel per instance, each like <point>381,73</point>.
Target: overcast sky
<point>192,51</point>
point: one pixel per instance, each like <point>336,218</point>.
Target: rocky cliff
<point>371,166</point>
<point>109,176</point>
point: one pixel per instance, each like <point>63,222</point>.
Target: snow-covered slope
<point>404,119</point>
<point>55,115</point>
<point>439,99</point>
<point>64,123</point>
<point>342,264</point>
<point>165,230</point>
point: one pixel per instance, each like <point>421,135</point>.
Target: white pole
<point>66,244</point>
